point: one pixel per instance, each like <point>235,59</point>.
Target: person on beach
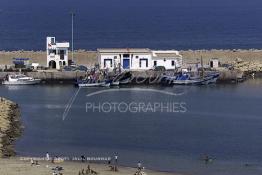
<point>116,157</point>
<point>32,161</point>
<point>88,170</point>
<point>116,161</point>
<point>109,161</point>
<point>139,166</point>
<point>47,156</point>
<point>83,158</point>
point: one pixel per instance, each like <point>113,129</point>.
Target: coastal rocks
<point>10,126</point>
<point>248,66</point>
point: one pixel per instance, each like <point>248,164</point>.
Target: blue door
<point>126,63</point>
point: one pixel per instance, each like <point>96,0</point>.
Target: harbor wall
<point>52,76</point>
<point>139,77</point>
<point>224,56</point>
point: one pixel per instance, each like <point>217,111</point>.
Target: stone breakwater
<point>10,126</point>
<point>90,57</point>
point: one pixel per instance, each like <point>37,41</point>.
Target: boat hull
<point>124,82</point>
<point>205,81</point>
<point>94,84</point>
<point>115,83</point>
<point>29,82</point>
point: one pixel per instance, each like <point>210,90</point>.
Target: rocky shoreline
<point>10,127</point>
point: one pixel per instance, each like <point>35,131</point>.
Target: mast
<point>72,39</point>
<point>202,68</point>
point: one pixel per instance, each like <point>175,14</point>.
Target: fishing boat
<point>124,81</point>
<point>92,83</point>
<point>123,78</point>
<point>114,83</point>
<point>186,79</point>
<point>167,80</point>
<point>20,79</point>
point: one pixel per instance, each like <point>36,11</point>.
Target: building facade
<point>138,59</point>
<point>57,53</point>
<point>170,59</point>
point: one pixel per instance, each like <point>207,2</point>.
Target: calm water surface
<point>221,120</point>
<point>156,24</point>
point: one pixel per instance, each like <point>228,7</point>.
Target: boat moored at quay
<point>187,80</point>
<point>20,79</point>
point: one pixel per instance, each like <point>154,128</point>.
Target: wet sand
<point>16,166</point>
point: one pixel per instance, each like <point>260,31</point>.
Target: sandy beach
<point>17,166</point>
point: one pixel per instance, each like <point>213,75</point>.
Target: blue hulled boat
<point>187,79</point>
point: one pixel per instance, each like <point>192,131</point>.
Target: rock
<point>10,127</point>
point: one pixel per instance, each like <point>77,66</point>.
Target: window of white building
<point>155,63</point>
<point>143,62</point>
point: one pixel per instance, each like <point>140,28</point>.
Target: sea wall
<point>10,126</point>
<point>89,58</point>
<point>225,56</point>
<point>52,76</point>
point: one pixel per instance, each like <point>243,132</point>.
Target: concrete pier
<point>143,77</point>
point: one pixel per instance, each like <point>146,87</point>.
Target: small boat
<point>93,83</point>
<point>123,78</point>
<point>124,81</point>
<point>114,83</point>
<point>186,79</point>
<point>167,80</point>
<point>102,84</point>
<point>20,79</point>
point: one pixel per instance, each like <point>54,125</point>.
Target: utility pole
<point>72,42</point>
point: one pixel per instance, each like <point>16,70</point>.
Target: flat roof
<point>166,55</point>
<point>124,50</point>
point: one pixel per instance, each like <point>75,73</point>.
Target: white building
<point>170,59</point>
<point>138,59</point>
<point>214,63</point>
<point>57,53</point>
<point>127,59</point>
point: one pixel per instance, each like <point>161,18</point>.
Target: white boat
<point>102,84</point>
<point>20,79</point>
<point>114,83</point>
<point>125,81</point>
<point>93,84</point>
